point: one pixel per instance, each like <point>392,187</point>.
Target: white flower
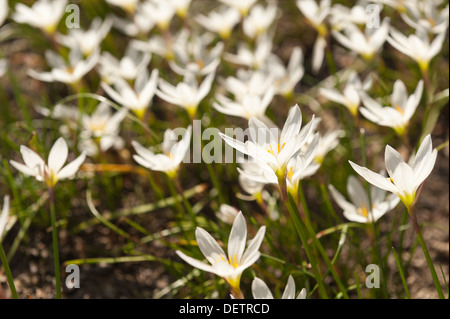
<point>160,46</point>
<point>302,165</point>
<point>399,5</point>
<point>316,15</point>
<point>253,58</point>
<point>350,96</point>
<point>247,106</point>
<point>51,171</point>
<point>161,12</point>
<point>181,7</point>
<point>227,213</point>
<point>127,5</point>
<point>360,209</point>
<point>195,57</point>
<point>173,153</point>
<point>417,46</point>
<point>4,10</point>
<point>426,15</point>
<point>271,148</point>
<point>221,22</point>
<point>87,40</point>
<point>103,127</point>
<point>232,266</point>
<point>261,291</point>
<point>259,19</point>
<point>402,107</point>
<point>43,14</point>
<point>4,216</point>
<point>327,142</point>
<point>404,179</point>
<point>366,44</point>
<point>243,6</point>
<point>187,94</point>
<point>69,73</point>
<point>137,98</point>
<point>285,78</point>
<point>249,185</point>
<point>247,82</point>
<point>128,67</point>
<point>341,16</point>
<point>140,24</point>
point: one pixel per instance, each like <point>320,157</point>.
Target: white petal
<point>357,193</point>
<point>208,245</point>
<point>374,178</point>
<point>302,294</point>
<point>252,252</point>
<point>194,262</point>
<point>23,168</point>
<point>260,289</point>
<point>237,238</point>
<point>289,291</point>
<point>70,169</point>
<point>58,155</point>
<point>392,158</point>
<point>340,199</point>
<point>31,158</point>
<point>292,125</point>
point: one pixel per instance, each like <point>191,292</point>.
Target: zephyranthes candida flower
<point>402,107</point>
<point>271,148</point>
<point>231,266</point>
<point>360,209</point>
<point>51,171</point>
<point>404,180</point>
<point>173,153</point>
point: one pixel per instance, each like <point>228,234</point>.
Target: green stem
<point>9,276</point>
<point>426,253</point>
<point>51,196</point>
<point>402,275</point>
<point>326,259</point>
<point>295,216</point>
<point>376,247</point>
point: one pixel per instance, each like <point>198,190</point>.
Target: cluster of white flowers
<point>227,62</point>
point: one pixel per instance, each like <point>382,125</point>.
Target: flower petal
<point>70,169</point>
<point>374,178</point>
<point>260,289</point>
<point>208,245</point>
<point>237,238</point>
<point>58,155</point>
<point>289,291</point>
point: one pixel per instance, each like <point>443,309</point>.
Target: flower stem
<point>9,276</point>
<point>295,216</point>
<point>51,196</point>
<point>426,252</point>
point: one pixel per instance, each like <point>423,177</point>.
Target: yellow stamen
<point>290,173</point>
<point>97,126</point>
<point>399,109</point>
<point>363,211</point>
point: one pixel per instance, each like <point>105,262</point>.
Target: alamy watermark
<point>373,16</point>
<point>373,279</point>
<point>73,277</point>
<point>73,19</point>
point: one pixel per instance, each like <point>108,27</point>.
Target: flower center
<point>233,262</point>
<point>363,211</point>
<point>399,109</point>
<point>270,150</point>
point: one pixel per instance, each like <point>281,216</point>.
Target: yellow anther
<point>399,109</point>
